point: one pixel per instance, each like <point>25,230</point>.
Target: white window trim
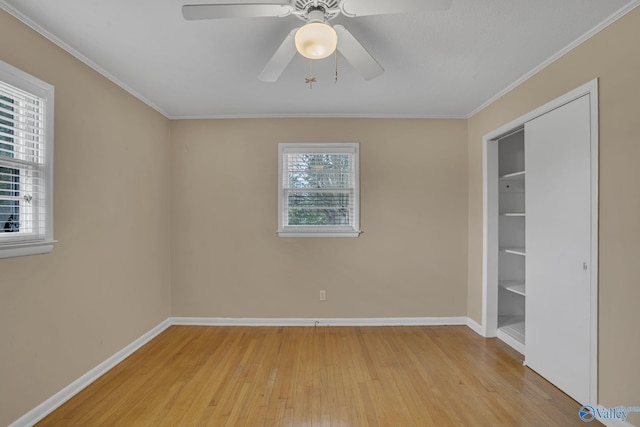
<point>307,231</point>
<point>18,78</point>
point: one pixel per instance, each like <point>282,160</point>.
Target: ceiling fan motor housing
<point>308,9</point>
<point>316,14</point>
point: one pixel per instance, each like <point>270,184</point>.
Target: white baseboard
<point>356,321</point>
<point>511,342</point>
<point>49,405</point>
<point>475,326</point>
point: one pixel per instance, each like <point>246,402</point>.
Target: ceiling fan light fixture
<point>316,40</point>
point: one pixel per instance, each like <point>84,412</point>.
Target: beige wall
<point>107,282</point>
<point>612,56</point>
<point>227,260</point>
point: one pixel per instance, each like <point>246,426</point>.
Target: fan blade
<point>280,59</point>
<point>193,12</point>
<point>353,8</point>
<point>356,54</point>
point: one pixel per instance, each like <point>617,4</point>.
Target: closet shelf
<point>515,176</point>
<point>515,286</point>
<point>514,251</point>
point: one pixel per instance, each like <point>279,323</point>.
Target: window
<point>26,169</point>
<point>318,190</point>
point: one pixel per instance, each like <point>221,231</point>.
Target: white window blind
<point>319,194</point>
<point>25,205</point>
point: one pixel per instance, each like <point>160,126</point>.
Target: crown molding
<point>317,116</point>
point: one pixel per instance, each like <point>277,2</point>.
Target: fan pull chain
<point>311,79</point>
<point>336,55</point>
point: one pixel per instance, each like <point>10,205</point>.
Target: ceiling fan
<point>316,39</point>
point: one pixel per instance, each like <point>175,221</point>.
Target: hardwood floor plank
<point>320,376</point>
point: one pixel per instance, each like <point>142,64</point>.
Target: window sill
<point>24,249</point>
<point>282,233</point>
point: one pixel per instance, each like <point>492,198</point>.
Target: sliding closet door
<point>558,239</point>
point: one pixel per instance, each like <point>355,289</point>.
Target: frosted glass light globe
<point>316,40</point>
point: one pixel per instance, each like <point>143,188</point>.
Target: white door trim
<point>490,212</point>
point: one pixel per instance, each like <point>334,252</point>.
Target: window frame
<point>19,246</point>
<point>352,230</point>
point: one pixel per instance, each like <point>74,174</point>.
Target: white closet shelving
<point>515,286</point>
<point>513,176</point>
<point>511,236</point>
<point>514,251</point>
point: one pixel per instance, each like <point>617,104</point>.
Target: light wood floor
<point>323,376</point>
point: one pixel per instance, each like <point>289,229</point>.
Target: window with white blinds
<point>26,143</point>
<point>318,190</point>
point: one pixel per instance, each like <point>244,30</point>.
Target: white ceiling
<point>437,64</point>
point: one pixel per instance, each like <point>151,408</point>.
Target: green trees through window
<point>320,189</point>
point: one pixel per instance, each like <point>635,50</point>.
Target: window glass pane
<point>9,177</point>
<point>321,171</point>
<point>9,203</point>
<point>319,217</point>
<point>6,126</point>
<point>21,139</point>
<point>316,170</point>
<point>319,209</point>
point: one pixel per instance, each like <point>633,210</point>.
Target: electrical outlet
<point>323,295</point>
